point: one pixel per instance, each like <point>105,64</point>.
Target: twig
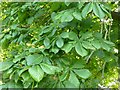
<point>103,69</point>
<point>89,56</point>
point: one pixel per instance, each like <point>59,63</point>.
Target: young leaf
<point>36,73</point>
<point>59,42</point>
<point>80,50</point>
<point>83,73</point>
<point>5,65</point>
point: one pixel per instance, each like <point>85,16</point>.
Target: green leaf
<point>105,46</point>
<point>80,5</point>
<point>83,73</point>
<point>59,42</point>
<point>98,11</point>
<point>104,9</point>
<point>63,76</point>
<point>36,73</point>
<point>67,47</point>
<point>87,45</point>
<point>30,20</point>
<point>86,10</point>
<point>68,84</point>
<point>65,35</point>
<point>48,68</point>
<point>34,59</point>
<point>46,42</point>
<point>73,36</point>
<point>78,65</point>
<point>23,70</point>
<point>74,80</point>
<point>67,16</point>
<point>4,43</point>
<point>77,15</point>
<point>80,50</point>
<point>55,50</point>
<point>96,44</point>
<point>5,65</point>
<point>109,43</point>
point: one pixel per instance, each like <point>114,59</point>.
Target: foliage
<point>58,45</point>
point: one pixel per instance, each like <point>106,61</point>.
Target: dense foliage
<point>58,45</point>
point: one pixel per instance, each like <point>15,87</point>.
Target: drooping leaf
<point>36,73</point>
<point>83,73</point>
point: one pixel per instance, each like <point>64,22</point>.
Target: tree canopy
<point>59,45</point>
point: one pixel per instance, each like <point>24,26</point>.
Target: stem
<point>109,32</point>
<point>89,56</point>
<point>106,31</point>
<point>101,28</point>
<point>103,69</point>
<point>32,86</point>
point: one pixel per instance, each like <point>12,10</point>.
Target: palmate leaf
<point>36,73</point>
